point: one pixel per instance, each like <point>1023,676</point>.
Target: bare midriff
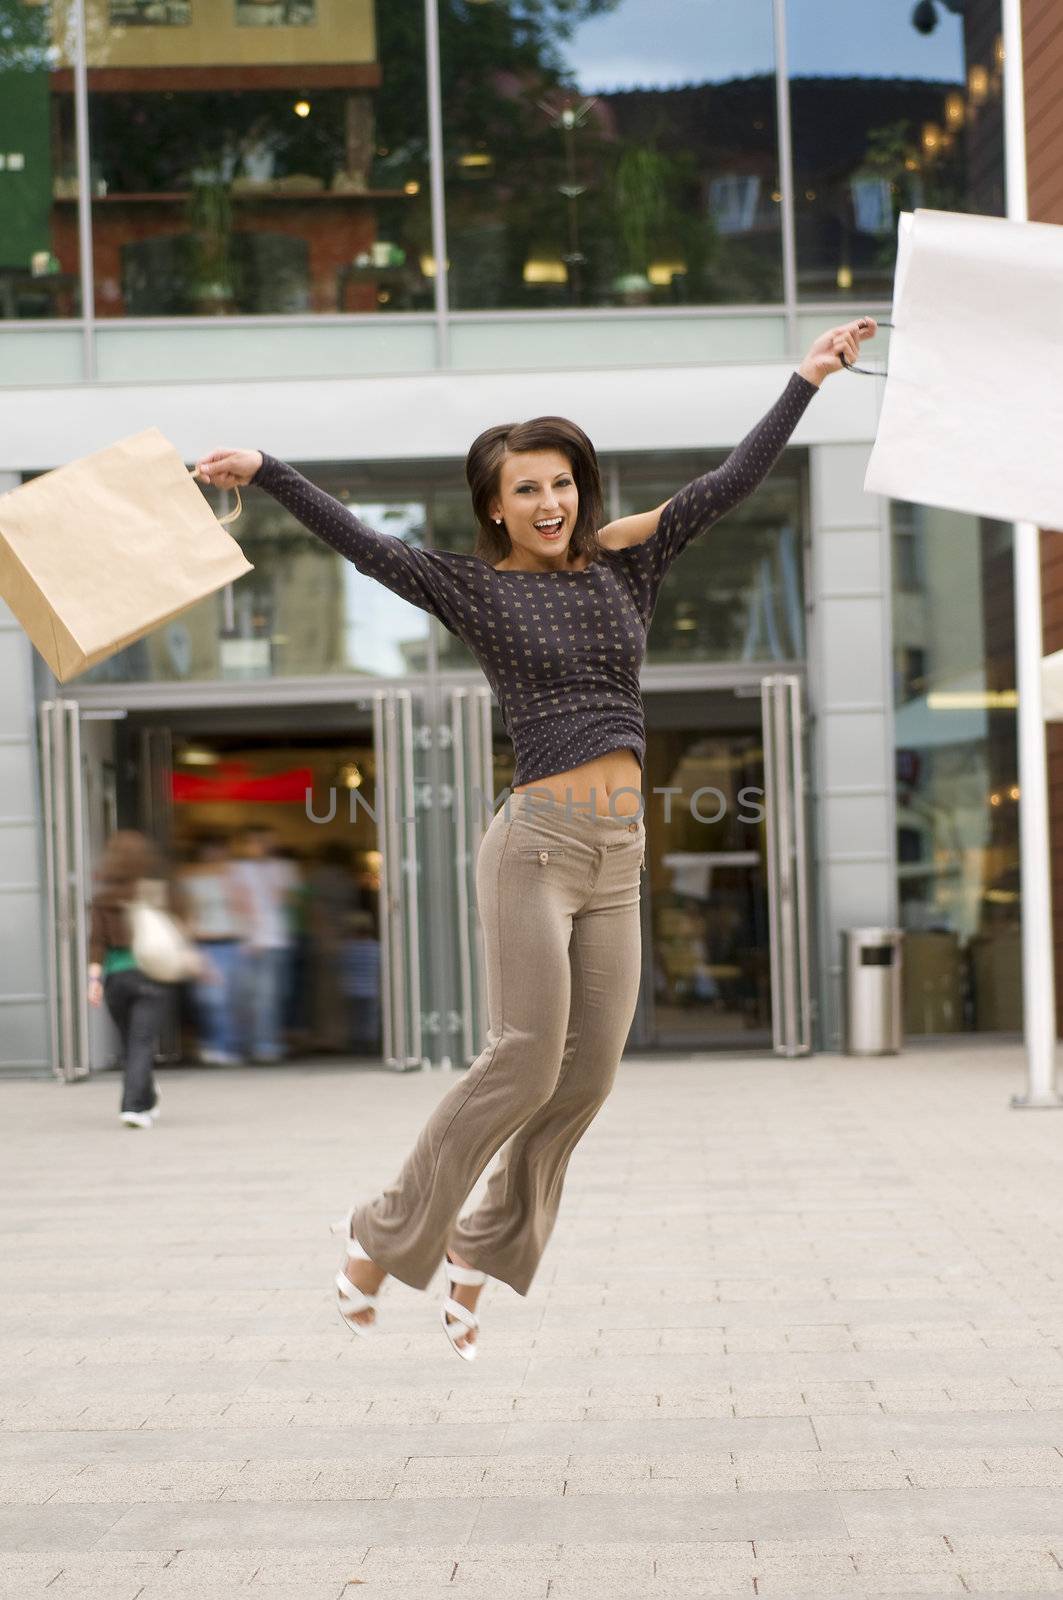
<point>593,785</point>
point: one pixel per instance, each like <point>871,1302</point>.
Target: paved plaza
<point>799,1333</point>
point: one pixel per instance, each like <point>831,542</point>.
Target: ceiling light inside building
<point>542,269</point>
<point>661,273</point>
<point>972,699</point>
<point>301,108</point>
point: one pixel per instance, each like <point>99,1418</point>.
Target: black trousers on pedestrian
<point>137,1005</point>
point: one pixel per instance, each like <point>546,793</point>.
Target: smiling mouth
<point>550,527</point>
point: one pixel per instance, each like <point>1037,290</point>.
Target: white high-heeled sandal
<point>467,1321</point>
<point>349,1298</point>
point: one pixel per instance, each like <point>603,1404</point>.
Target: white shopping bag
<point>972,413</point>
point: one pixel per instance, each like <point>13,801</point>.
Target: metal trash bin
<point>871,973</point>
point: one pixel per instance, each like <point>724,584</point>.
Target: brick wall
<point>1042,26</point>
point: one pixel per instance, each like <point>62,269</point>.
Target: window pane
<point>736,593</point>
<point>610,154</point>
<point>957,774</point>
<point>892,107</point>
<point>258,156</point>
<point>304,610</point>
<point>39,274</point>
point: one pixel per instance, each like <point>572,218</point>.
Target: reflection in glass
<point>39,275</point>
<point>956,775</point>
<point>275,13</point>
<point>891,108</point>
<point>150,13</point>
<point>736,593</point>
<point>260,158</point>
<point>304,611</point>
<point>706,889</point>
<point>610,154</point>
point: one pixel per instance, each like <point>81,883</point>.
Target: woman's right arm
<point>97,951</point>
<point>417,575</point>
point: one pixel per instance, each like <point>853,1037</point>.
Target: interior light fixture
<point>972,699</point>
<point>301,108</point>
<point>661,273</point>
<point>540,269</point>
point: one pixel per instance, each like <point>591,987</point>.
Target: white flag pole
<point>1038,980</point>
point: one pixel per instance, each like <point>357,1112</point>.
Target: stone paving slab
<point>799,1332</point>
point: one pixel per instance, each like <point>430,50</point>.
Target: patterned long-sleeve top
<point>562,650</point>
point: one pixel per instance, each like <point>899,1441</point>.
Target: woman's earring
<point>498,522</point>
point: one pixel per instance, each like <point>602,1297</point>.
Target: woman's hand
<point>825,355</point>
<point>95,991</point>
<point>228,469</point>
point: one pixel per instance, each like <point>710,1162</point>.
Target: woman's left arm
<point>630,530</point>
<point>707,498</point>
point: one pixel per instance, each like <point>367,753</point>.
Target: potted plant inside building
<point>639,184</point>
<point>211,283</point>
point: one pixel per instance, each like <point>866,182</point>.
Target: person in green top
<point>135,1001</point>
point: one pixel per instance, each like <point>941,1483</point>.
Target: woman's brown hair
<point>128,856</point>
<point>483,470</point>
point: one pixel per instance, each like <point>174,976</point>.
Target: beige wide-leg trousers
<point>558,896</point>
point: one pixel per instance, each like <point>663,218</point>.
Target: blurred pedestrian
<point>360,969</point>
<point>332,896</point>
<point>130,868</point>
<point>213,911</point>
<point>295,1004</point>
<point>264,884</point>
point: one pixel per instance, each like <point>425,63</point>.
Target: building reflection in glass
<point>271,156</point>
<point>957,774</point>
<point>39,276</point>
<point>610,155</point>
<point>890,109</point>
<point>254,156</point>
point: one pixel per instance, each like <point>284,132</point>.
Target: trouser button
<point>632,827</point>
<point>543,857</point>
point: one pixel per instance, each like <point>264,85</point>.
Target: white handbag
<point>159,948</point>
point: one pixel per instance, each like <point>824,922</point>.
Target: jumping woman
<point>555,609</point>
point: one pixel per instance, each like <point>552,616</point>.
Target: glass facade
<point>956,771</point>
<point>39,274</point>
<point>272,157</point>
<point>738,594</point>
<point>306,611</point>
<point>277,166</point>
<point>609,155</point>
<point>891,108</point>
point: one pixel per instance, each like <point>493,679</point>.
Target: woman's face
<point>537,501</point>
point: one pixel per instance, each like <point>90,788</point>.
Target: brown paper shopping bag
<point>98,553</point>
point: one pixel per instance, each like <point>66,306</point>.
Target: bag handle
<point>231,516</point>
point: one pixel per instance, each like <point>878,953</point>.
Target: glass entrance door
<point>66,881</point>
<point>725,948</point>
